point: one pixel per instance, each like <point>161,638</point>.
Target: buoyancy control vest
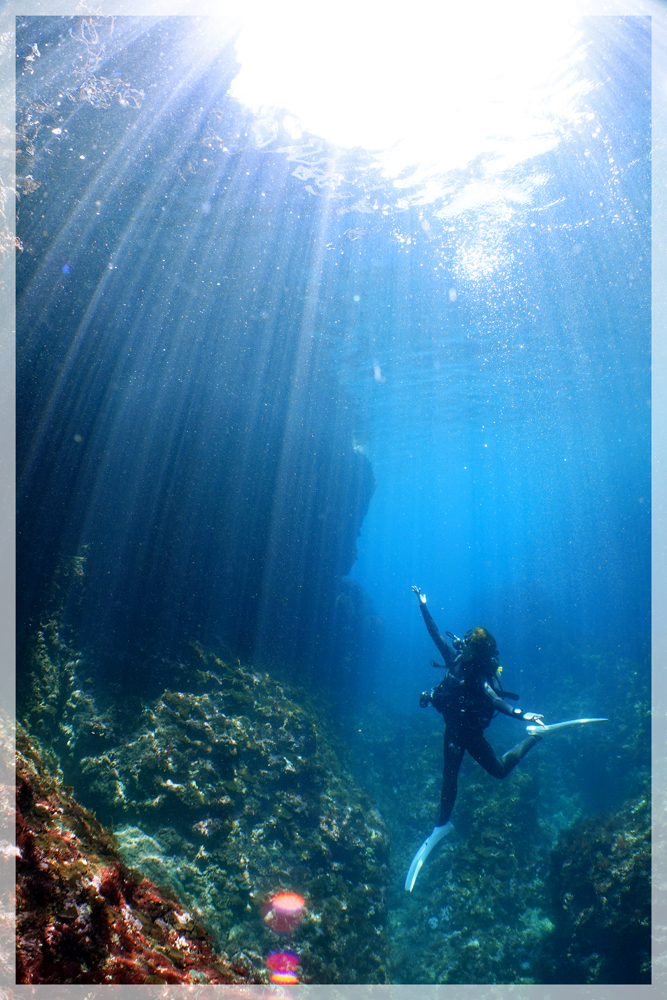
<point>460,696</point>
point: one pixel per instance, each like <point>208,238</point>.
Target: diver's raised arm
<point>433,629</point>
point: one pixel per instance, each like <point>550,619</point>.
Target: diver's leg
<point>481,750</point>
<point>453,755</point>
<point>478,747</point>
<point>513,756</point>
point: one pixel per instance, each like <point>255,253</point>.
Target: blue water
<point>511,446</point>
<point>263,390</point>
<point>511,427</point>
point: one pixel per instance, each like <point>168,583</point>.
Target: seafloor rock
<point>82,915</point>
<point>229,790</point>
<point>600,893</point>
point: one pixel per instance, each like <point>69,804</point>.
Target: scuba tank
<point>452,696</point>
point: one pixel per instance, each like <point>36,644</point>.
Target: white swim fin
<point>420,857</point>
<point>542,730</point>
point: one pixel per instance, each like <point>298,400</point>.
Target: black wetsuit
<point>468,701</point>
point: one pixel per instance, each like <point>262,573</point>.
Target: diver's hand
<point>533,717</point>
<point>422,597</point>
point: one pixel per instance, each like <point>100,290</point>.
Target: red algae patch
<point>82,916</point>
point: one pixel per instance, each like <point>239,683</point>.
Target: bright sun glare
<point>431,85</point>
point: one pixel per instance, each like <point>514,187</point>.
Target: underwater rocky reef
<point>225,785</point>
<point>224,792</point>
<point>82,915</point>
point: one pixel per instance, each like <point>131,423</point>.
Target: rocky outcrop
<point>227,791</point>
<point>599,886</point>
<point>82,915</point>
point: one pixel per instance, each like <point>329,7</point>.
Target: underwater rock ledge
<point>82,915</point>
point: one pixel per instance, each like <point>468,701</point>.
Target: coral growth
<point>82,915</point>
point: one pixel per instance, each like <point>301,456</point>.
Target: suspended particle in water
<point>452,295</point>
<point>65,268</point>
<point>283,965</point>
<point>284,912</point>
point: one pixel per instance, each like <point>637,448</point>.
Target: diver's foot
<point>420,857</point>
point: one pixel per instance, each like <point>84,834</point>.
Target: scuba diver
<point>468,697</point>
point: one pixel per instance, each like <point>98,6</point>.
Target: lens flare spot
<point>284,912</point>
<point>282,961</point>
<point>283,966</point>
<point>284,978</point>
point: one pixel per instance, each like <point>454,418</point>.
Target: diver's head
<point>479,650</point>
